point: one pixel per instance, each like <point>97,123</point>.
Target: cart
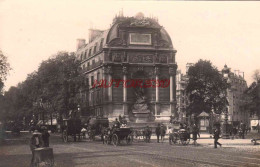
<point>43,156</point>
<point>116,135</point>
<point>71,127</point>
<point>181,137</point>
<point>96,126</point>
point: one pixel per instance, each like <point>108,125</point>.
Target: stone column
<point>172,73</point>
<point>125,107</point>
<point>107,91</point>
<point>156,72</point>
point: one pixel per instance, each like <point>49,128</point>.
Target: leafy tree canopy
<point>54,84</point>
<point>206,88</point>
<point>4,69</point>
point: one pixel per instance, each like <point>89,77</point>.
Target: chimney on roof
<point>80,43</point>
<point>243,74</point>
<point>93,33</point>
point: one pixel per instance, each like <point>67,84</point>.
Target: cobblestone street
<point>94,153</point>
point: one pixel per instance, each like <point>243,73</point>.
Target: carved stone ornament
<point>140,22</point>
<point>163,43</point>
<point>140,68</point>
<point>107,70</point>
<point>116,57</point>
<point>116,42</point>
<point>125,70</point>
<point>140,58</point>
<point>163,58</point>
<point>172,69</point>
<point>156,71</point>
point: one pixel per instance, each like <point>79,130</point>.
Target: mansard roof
<point>142,23</point>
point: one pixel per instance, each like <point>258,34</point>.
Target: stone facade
<point>235,97</point>
<point>133,48</point>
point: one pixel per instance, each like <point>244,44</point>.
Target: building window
<point>81,56</point>
<point>98,76</point>
<point>84,66</point>
<point>85,55</point>
<point>89,53</point>
<point>140,39</point>
<point>93,62</point>
<point>101,44</point>
<point>92,80</point>
<point>95,49</point>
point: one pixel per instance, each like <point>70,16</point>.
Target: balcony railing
<point>99,63</point>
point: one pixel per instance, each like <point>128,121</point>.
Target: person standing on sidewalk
<point>195,133</point>
<point>162,132</point>
<point>35,142</point>
<point>216,137</point>
<point>45,136</point>
<point>158,132</point>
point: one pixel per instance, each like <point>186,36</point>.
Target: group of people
<point>239,131</point>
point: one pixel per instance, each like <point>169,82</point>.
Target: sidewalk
<point>206,140</point>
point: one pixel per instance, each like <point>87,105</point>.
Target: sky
<point>223,32</point>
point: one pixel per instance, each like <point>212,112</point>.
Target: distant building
<point>236,113</point>
<point>181,96</point>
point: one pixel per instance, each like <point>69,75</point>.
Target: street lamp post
<point>78,106</point>
<point>225,134</point>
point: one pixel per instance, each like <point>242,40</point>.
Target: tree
<point>54,84</point>
<point>252,95</point>
<point>206,89</point>
<point>4,69</point>
<point>256,75</point>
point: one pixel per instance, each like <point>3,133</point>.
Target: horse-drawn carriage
<point>96,126</point>
<point>144,134</point>
<point>71,127</point>
<point>178,135</point>
<point>116,135</point>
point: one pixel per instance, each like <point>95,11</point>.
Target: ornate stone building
<point>235,97</point>
<point>132,49</point>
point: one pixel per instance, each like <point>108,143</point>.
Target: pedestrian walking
<point>195,133</point>
<point>162,132</point>
<point>35,142</point>
<point>216,137</point>
<point>158,132</point>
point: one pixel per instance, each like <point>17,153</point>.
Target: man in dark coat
<point>163,132</point>
<point>158,132</point>
<point>216,137</point>
<point>35,142</point>
<point>45,137</point>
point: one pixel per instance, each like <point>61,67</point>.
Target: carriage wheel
<point>185,142</point>
<point>65,136</point>
<point>91,136</point>
<point>174,139</point>
<point>129,139</point>
<point>115,140</point>
<point>106,139</point>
